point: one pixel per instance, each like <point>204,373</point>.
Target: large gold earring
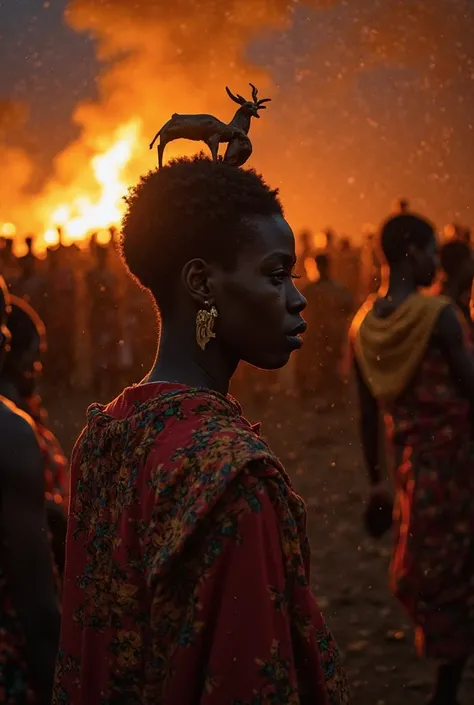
<point>205,321</point>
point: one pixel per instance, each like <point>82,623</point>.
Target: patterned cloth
<point>55,462</point>
<point>432,571</point>
<point>187,575</point>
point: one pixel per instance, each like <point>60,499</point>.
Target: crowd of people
<point>185,575</point>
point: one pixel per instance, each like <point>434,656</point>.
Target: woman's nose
<point>297,301</point>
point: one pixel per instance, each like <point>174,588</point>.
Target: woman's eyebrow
<point>284,257</point>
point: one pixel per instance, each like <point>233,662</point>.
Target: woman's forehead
<point>273,235</point>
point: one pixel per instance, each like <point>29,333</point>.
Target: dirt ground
<point>320,449</point>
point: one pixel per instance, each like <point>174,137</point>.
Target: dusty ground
<point>321,452</point>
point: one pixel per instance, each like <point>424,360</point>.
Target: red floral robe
<point>187,575</point>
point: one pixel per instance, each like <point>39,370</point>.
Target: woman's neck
<point>397,285</point>
<point>182,361</point>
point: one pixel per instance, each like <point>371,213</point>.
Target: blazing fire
<point>96,208</point>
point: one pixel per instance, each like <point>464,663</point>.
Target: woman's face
<point>258,303</point>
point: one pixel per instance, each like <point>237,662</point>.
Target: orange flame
<point>93,209</point>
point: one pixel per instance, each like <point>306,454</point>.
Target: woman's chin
<point>271,362</point>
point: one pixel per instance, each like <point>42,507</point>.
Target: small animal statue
<point>208,129</point>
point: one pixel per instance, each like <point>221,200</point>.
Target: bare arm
<point>449,335</point>
<point>369,428</point>
<point>27,548</point>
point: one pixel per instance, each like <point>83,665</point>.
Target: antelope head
<point>251,107</point>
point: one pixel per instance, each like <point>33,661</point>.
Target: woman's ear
<point>195,277</point>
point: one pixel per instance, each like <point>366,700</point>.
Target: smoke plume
<point>368,96</point>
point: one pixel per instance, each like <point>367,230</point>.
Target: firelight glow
<point>95,209</point>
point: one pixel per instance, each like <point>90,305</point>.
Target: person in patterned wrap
<point>413,363</point>
<point>187,563</point>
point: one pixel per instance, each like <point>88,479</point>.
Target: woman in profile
<point>187,577</point>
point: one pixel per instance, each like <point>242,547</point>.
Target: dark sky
<point>46,64</point>
<point>376,97</point>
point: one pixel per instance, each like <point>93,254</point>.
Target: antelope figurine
<point>208,129</point>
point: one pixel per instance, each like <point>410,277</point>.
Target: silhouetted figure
<point>18,383</point>
<point>29,605</point>
<point>9,269</point>
<point>458,269</point>
<point>30,285</point>
<point>330,306</point>
<point>103,323</point>
<point>348,269</point>
<point>401,206</point>
<point>306,251</point>
<point>371,267</point>
<point>60,317</point>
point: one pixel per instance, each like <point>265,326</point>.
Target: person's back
<point>164,481</point>
<point>330,305</point>
<point>413,364</point>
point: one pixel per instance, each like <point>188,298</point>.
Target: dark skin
<point>26,546</point>
<point>416,271</point>
<point>259,310</point>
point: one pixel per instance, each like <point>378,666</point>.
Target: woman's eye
<point>278,277</point>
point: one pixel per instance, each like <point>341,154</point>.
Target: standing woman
<point>413,363</point>
<point>187,572</point>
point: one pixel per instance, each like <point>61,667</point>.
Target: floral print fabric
<point>432,570</point>
<point>187,576</point>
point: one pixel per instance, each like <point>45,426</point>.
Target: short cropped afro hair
<point>191,208</point>
<point>401,232</point>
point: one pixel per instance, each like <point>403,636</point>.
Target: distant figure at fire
<point>30,284</point>
<point>18,383</point>
<point>9,268</point>
<point>102,289</point>
<point>29,607</point>
<point>330,306</point>
<point>187,571</point>
<point>412,363</point>
<point>60,318</point>
<point>457,265</point>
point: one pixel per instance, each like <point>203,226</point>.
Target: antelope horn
<point>236,98</point>
<point>254,92</point>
